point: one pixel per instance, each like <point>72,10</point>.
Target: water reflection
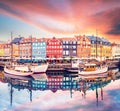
<point>57,83</point>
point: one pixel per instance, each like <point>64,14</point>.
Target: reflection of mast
<point>30,95</point>
<point>101,92</point>
<point>70,78</point>
<point>30,90</point>
<point>11,93</point>
<point>71,92</point>
<point>96,95</point>
<point>84,88</point>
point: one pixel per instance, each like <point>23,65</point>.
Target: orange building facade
<point>25,48</point>
<point>83,47</point>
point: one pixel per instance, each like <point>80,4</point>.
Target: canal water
<point>59,93</point>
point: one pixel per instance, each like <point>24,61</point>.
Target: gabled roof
<point>54,38</point>
<point>99,39</point>
<point>17,40</point>
<point>93,38</point>
<point>69,39</point>
<point>105,41</point>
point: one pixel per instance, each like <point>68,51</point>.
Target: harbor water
<point>59,93</point>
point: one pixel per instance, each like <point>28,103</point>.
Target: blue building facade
<point>38,50</point>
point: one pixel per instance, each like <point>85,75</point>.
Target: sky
<point>60,18</point>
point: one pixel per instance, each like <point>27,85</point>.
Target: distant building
<point>54,83</point>
<point>7,50</point>
<point>54,48</point>
<point>106,49</point>
<point>39,84</point>
<point>25,48</point>
<point>69,47</point>
<point>115,50</point>
<point>83,46</point>
<point>38,49</point>
<point>2,51</point>
<point>15,47</point>
<point>100,48</point>
<point>70,84</point>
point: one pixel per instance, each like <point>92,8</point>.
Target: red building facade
<point>54,48</point>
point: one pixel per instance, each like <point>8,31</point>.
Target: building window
<point>74,51</point>
<point>67,52</point>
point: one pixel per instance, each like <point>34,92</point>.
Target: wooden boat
<point>93,70</point>
<point>35,68</point>
<point>18,70</point>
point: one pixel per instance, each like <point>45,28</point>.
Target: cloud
<point>108,23</point>
<point>115,30</point>
<point>66,16</point>
<point>11,10</point>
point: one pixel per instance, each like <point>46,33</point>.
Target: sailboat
<point>92,69</point>
<point>15,69</point>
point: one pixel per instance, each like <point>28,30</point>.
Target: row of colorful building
<point>56,48</point>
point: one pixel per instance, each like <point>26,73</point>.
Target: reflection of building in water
<point>55,83</point>
<point>2,77</point>
<point>36,84</point>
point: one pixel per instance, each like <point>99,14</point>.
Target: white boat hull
<point>93,73</point>
<point>39,68</point>
<point>71,70</point>
<point>16,73</point>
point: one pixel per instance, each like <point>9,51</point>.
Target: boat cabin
<point>90,67</point>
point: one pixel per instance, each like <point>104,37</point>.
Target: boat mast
<point>11,48</point>
<point>31,48</point>
<point>96,94</point>
<point>96,44</point>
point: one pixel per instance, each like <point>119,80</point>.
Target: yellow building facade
<point>100,48</point>
<point>2,50</point>
<point>15,51</point>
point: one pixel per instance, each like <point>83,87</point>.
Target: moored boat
<point>14,69</point>
<point>37,69</point>
<point>74,67</point>
<point>93,70</point>
<point>18,70</point>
